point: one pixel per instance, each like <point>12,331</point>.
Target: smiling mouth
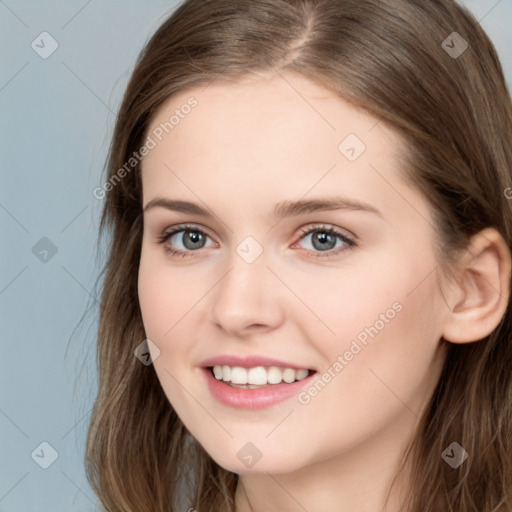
<point>257,377</point>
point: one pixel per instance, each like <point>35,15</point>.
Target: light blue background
<point>57,117</point>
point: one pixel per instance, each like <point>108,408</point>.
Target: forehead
<point>268,102</point>
<point>265,138</point>
<point>269,109</point>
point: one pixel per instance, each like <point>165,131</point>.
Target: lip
<point>250,362</point>
<point>252,399</point>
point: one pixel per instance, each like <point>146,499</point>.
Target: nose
<point>248,298</point>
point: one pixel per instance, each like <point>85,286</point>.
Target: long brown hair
<point>454,112</point>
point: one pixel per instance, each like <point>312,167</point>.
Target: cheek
<point>376,384</point>
<point>383,348</point>
<point>389,348</point>
<point>353,302</point>
<point>166,310</point>
<point>385,290</point>
<point>172,308</point>
<point>156,305</point>
<point>166,294</point>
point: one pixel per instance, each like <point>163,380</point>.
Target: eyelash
<point>349,243</point>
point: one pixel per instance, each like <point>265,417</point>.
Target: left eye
<point>323,239</point>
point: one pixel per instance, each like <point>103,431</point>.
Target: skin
<point>246,147</point>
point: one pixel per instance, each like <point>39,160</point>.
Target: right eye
<point>184,239</point>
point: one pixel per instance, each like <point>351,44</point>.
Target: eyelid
<point>168,232</point>
<point>319,226</point>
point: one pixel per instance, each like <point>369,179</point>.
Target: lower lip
<point>260,398</point>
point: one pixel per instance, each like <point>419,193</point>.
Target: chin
<point>247,460</point>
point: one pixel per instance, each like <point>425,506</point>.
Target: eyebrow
<point>283,209</point>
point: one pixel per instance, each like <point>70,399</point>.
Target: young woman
<point>306,304</point>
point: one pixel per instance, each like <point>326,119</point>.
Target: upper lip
<point>250,362</point>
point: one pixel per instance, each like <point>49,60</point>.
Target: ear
<point>482,291</point>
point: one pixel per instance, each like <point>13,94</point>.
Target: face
<point>279,233</point>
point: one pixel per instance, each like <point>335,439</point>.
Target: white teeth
<point>301,374</point>
<point>238,375</point>
<point>289,375</point>
<point>217,371</point>
<point>258,375</point>
<point>226,372</point>
<point>274,375</point>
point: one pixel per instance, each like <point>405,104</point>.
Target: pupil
<point>323,241</point>
<point>192,239</point>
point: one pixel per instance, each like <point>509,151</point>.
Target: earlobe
<point>482,291</point>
